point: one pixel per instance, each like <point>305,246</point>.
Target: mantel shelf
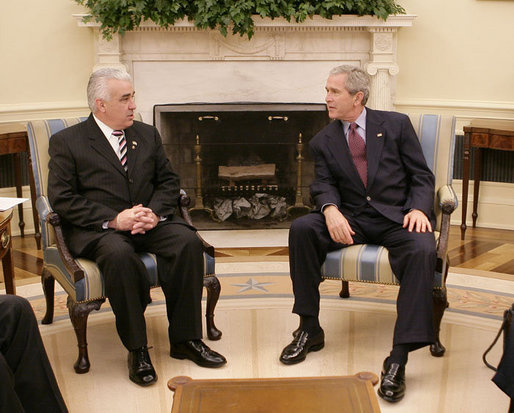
<point>350,20</point>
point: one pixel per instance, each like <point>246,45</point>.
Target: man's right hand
<point>338,227</point>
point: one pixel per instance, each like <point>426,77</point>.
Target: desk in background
<point>14,140</point>
<point>481,134</point>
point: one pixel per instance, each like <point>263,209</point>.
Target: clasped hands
<point>137,220</point>
<point>341,231</point>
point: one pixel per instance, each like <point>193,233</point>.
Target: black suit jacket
<point>87,184</point>
<point>398,176</point>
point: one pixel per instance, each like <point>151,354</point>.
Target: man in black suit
<point>372,185</point>
<point>110,181</point>
<point>27,381</point>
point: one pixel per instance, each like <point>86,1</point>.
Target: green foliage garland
<point>125,15</point>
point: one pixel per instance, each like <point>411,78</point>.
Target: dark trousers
<point>412,257</point>
<point>27,382</point>
<point>127,286</point>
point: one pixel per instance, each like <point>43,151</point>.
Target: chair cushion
<point>364,263</point>
<point>91,287</point>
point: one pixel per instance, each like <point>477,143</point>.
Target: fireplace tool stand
<point>199,207</point>
<point>299,208</point>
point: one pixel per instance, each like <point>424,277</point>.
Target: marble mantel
<point>283,62</point>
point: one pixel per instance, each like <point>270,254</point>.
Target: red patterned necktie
<point>358,150</point>
<point>123,147</point>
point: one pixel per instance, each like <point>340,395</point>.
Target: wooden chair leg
<point>439,297</point>
<point>48,282</point>
<point>213,287</point>
<point>79,313</point>
<point>345,290</point>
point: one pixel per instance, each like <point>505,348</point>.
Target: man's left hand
<point>417,220</point>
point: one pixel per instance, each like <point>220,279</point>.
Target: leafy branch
<point>119,16</point>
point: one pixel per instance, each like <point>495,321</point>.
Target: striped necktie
<point>358,150</point>
<point>123,147</point>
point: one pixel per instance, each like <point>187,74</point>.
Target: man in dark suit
<point>372,185</point>
<point>110,181</point>
<point>27,381</point>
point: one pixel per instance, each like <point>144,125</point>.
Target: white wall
<point>45,59</point>
<point>470,50</point>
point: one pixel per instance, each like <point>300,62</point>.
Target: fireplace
<point>243,164</point>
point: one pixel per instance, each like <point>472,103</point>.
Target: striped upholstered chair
<point>81,278</point>
<point>370,263</point>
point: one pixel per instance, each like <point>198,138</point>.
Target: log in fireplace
<point>243,164</point>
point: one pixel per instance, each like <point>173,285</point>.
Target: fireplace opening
<point>244,165</point>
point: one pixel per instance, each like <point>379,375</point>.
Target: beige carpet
<point>254,313</point>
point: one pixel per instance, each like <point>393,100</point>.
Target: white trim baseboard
<point>495,205</point>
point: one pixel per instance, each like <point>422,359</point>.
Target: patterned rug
<point>254,315</point>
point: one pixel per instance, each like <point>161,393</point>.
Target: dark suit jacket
<point>398,176</point>
<point>87,184</point>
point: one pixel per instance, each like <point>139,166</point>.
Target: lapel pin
<point>379,135</point>
<point>134,144</point>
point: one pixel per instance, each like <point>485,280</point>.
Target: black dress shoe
<point>140,367</point>
<point>392,382</point>
<point>301,345</point>
<point>197,351</point>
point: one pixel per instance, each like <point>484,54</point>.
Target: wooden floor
<point>483,249</point>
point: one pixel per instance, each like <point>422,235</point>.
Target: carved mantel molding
<point>365,41</point>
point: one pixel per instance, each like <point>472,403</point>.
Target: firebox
<point>244,165</point>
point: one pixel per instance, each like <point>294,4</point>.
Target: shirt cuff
<point>325,205</point>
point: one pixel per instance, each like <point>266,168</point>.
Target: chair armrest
<point>184,202</point>
<point>448,203</point>
<point>43,208</point>
<point>69,262</point>
<point>447,199</point>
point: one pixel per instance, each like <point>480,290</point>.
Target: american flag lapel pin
<point>134,144</point>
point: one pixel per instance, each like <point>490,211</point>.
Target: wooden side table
<point>14,140</point>
<point>342,394</point>
<point>6,251</point>
<point>479,135</point>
